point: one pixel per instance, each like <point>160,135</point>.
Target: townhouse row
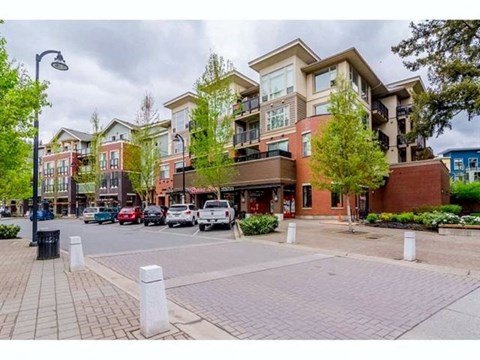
<point>274,121</point>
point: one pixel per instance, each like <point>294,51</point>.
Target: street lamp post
<point>59,64</point>
<point>180,138</point>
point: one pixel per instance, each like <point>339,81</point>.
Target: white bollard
<point>153,301</point>
<point>77,261</point>
<point>409,246</point>
<point>291,235</point>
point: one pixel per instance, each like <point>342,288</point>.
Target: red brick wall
<point>412,185</point>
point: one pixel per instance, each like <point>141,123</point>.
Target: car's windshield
<point>178,208</point>
<point>124,210</point>
<point>153,208</point>
<point>90,210</point>
<point>216,204</point>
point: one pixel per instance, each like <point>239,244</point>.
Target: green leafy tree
<point>465,192</point>
<point>88,172</point>
<point>450,50</point>
<point>142,158</point>
<point>346,156</point>
<point>212,125</point>
<point>19,98</point>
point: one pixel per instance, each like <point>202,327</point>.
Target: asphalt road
<point>113,238</point>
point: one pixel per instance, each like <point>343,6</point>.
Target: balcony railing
<point>114,182</point>
<point>263,155</point>
<point>85,151</point>
<point>48,188</point>
<point>114,164</point>
<point>49,172</point>
<point>246,106</point>
<point>401,141</point>
<point>246,136</point>
<point>62,187</point>
<point>102,164</point>
<point>85,169</point>
<point>379,111</point>
<point>63,170</point>
<point>404,110</point>
<point>384,140</point>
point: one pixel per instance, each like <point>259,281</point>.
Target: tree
<point>19,98</point>
<point>143,156</point>
<point>450,49</point>
<point>88,172</point>
<point>212,125</point>
<point>346,156</point>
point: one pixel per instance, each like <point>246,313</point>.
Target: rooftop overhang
<point>294,48</point>
<point>180,100</point>
<point>242,80</point>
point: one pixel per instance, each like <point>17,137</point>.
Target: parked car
<point>130,214</point>
<point>182,214</point>
<point>154,214</point>
<point>216,212</point>
<point>108,214</point>
<point>89,213</point>
<point>5,212</point>
<point>43,215</point>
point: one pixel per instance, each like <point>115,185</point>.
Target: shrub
<point>451,208</point>
<point>470,220</point>
<point>469,192</point>
<point>432,220</point>
<point>405,217</point>
<point>9,231</point>
<point>386,217</point>
<point>261,224</point>
<point>371,218</point>
<point>418,219</point>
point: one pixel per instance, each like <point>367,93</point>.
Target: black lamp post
<point>59,64</point>
<point>180,138</point>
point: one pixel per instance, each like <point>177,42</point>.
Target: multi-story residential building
<point>275,120</point>
<point>463,163</point>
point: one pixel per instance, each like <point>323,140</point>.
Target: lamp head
<point>59,63</point>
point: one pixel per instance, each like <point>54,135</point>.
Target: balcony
<point>85,169</point>
<point>84,152</point>
<point>271,167</point>
<point>114,182</point>
<point>379,113</point>
<point>102,164</point>
<point>114,164</point>
<point>420,142</point>
<point>403,111</point>
<point>62,170</point>
<point>49,172</point>
<point>246,106</point>
<point>84,188</point>
<point>246,137</point>
<point>401,141</point>
<point>384,140</point>
<point>48,188</point>
<point>62,187</point>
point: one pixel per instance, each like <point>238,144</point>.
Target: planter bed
<point>458,229</point>
<point>399,225</point>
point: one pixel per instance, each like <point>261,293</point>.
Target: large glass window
<point>325,79</point>
<point>364,92</point>
<point>165,171</point>
<point>180,120</point>
<point>277,118</point>
<point>277,83</point>
<point>306,144</point>
<point>473,163</point>
<point>307,196</point>
<point>457,164</point>
<point>354,78</point>
<point>279,145</point>
<point>321,109</point>
<point>337,199</point>
<point>178,147</point>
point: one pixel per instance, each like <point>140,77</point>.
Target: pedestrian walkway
<point>43,300</point>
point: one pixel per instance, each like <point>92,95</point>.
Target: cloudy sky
<point>113,63</point>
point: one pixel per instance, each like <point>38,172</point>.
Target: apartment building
<point>463,163</point>
<point>274,121</point>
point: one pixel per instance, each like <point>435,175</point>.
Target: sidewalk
<point>43,300</point>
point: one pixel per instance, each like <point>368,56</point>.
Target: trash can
<point>48,244</point>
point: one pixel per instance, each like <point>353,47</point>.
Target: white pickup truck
<point>216,212</point>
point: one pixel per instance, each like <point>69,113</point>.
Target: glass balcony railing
<point>246,136</point>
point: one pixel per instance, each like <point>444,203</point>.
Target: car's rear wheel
<point>145,223</point>
<point>229,226</point>
<point>120,222</point>
<point>170,225</point>
<point>201,227</point>
<point>100,222</point>
<point>86,222</point>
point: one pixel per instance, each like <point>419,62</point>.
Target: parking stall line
<point>196,232</point>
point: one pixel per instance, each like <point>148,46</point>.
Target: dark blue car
<point>43,215</point>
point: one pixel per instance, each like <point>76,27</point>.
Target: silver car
<point>89,213</point>
<point>182,214</point>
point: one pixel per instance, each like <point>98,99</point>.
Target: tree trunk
<point>349,214</point>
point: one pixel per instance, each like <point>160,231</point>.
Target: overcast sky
<point>114,63</point>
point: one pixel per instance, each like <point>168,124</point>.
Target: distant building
<point>463,163</point>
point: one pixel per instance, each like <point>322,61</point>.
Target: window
<point>321,109</point>
<point>180,120</point>
<point>103,182</point>
<point>277,118</point>
<point>473,163</point>
<point>164,171</point>
<point>113,138</point>
<point>307,196</point>
<point>279,145</point>
<point>163,145</point>
<point>306,144</point>
<point>114,179</point>
<point>114,159</point>
<point>337,199</point>
<point>364,92</point>
<point>178,147</point>
<point>325,79</point>
<point>178,165</point>
<point>458,164</point>
<point>354,78</point>
<point>277,83</point>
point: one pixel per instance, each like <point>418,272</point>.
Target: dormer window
<point>277,83</point>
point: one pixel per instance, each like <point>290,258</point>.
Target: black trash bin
<point>48,244</point>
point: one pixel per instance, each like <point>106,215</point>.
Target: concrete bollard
<point>291,235</point>
<point>153,301</point>
<point>77,261</point>
<point>409,246</point>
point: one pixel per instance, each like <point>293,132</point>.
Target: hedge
<point>259,224</point>
<point>9,231</point>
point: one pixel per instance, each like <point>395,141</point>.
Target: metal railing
<point>246,136</point>
<point>263,155</point>
<point>384,140</point>
<point>49,172</point>
<point>85,151</point>
<point>102,164</point>
<point>404,110</point>
<point>114,164</point>
<point>63,170</point>
<point>246,105</point>
<point>382,109</point>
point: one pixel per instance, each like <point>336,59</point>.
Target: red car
<point>131,214</point>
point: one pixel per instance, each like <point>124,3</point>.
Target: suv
<point>154,214</point>
<point>131,214</point>
<point>89,213</point>
<point>182,214</point>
